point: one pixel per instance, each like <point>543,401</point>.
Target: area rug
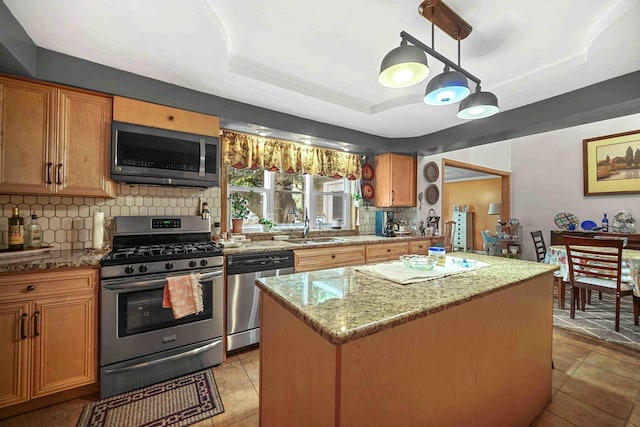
<point>178,402</point>
<point>598,320</point>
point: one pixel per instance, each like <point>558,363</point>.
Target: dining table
<point>557,254</point>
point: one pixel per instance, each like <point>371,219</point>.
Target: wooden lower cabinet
<point>331,257</point>
<point>386,251</point>
<point>419,247</point>
<point>48,335</point>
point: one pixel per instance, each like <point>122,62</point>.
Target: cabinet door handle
<point>23,332</point>
<point>333,256</point>
<point>393,195</point>
<point>36,316</point>
<point>49,166</point>
<point>31,288</point>
<point>170,118</point>
<point>59,174</point>
<point>388,250</point>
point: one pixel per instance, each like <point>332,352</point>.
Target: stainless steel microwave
<point>147,155</point>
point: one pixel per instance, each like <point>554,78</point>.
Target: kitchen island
<point>343,348</point>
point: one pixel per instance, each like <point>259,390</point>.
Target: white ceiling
<point>320,60</point>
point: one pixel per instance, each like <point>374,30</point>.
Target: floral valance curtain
<point>242,150</point>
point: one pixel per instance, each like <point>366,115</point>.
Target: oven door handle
<point>164,359</point>
<point>150,284</point>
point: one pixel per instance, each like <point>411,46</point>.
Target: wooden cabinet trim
<point>161,116</point>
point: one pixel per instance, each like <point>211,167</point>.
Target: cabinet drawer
<point>419,247</point>
<point>50,283</point>
<point>160,116</point>
<point>321,258</point>
<point>386,252</point>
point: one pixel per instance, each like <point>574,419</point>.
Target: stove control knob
<point>143,268</point>
<point>128,269</point>
<point>203,263</point>
<point>192,263</point>
<point>169,266</point>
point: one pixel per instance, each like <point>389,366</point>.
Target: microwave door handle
<point>203,147</point>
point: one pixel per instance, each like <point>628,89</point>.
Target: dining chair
<point>538,243</point>
<point>596,264</point>
<point>449,233</point>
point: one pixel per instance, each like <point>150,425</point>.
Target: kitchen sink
<point>317,240</point>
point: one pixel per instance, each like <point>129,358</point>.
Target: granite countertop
<point>51,260</point>
<point>343,304</point>
<point>345,240</point>
<point>26,261</point>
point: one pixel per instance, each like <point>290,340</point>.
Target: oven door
<point>134,324</point>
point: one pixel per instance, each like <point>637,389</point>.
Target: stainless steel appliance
<point>243,296</point>
<point>141,154</point>
<point>141,342</point>
<point>385,224</point>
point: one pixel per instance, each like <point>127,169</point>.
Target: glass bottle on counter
<point>16,231</point>
<point>605,223</point>
<point>33,234</point>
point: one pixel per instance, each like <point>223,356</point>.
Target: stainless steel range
<point>141,342</point>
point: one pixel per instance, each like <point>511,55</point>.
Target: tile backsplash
<point>67,222</point>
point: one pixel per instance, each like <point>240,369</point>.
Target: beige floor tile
<point>628,367</point>
<point>239,403</point>
<point>634,419</point>
<point>62,415</point>
<point>607,381</point>
<point>230,374</point>
<point>547,419</point>
<point>205,423</point>
<point>580,413</point>
<point>572,349</point>
<point>565,364</point>
<point>252,421</point>
<point>558,378</point>
<point>594,395</point>
<point>621,353</point>
<point>251,366</point>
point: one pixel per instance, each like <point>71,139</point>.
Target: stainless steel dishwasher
<point>243,296</point>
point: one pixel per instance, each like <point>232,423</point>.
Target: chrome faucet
<point>305,230</point>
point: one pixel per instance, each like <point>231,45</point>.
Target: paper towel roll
<point>98,230</point>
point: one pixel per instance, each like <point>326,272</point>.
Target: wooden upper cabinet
<point>54,140</point>
<point>160,116</point>
<point>395,180</point>
<point>84,136</point>
<point>27,140</point>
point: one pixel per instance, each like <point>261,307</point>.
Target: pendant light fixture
<point>479,105</point>
<point>447,88</point>
<point>405,66</point>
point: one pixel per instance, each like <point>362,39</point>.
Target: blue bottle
<point>605,223</point>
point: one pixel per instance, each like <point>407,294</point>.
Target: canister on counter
<point>438,253</point>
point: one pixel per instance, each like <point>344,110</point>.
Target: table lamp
<point>494,209</point>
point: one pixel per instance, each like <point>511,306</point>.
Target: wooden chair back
<point>595,259</point>
<point>538,243</point>
<point>449,233</point>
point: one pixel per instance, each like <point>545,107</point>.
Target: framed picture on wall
<point>456,208</point>
<point>611,164</point>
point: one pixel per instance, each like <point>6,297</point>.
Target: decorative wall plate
<point>367,172</point>
<point>431,172</point>
<point>367,191</point>
<point>566,221</point>
<point>433,194</point>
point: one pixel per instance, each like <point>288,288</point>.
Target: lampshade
<point>478,106</point>
<point>494,208</point>
<point>447,88</point>
<point>404,66</point>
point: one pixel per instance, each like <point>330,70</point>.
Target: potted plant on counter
<point>357,199</point>
<point>266,224</point>
<point>239,211</point>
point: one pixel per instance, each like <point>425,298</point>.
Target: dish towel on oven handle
<point>183,294</point>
